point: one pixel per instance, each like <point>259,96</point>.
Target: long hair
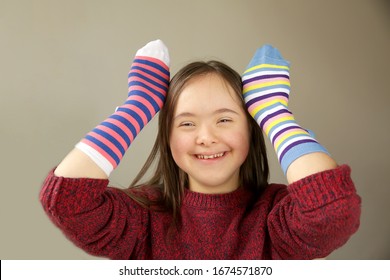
<point>168,179</point>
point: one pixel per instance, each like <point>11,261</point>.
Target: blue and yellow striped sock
<point>266,89</point>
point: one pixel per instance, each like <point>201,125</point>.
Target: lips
<point>211,156</point>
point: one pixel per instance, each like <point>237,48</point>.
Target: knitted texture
<point>266,89</point>
<point>148,82</point>
<point>307,219</point>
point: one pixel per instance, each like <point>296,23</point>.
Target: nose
<point>206,136</point>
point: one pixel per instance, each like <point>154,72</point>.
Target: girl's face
<point>210,135</point>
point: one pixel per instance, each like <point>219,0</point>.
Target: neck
<point>213,189</point>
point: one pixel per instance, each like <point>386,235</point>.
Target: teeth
<point>210,156</point>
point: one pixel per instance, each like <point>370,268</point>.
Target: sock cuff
<point>300,150</point>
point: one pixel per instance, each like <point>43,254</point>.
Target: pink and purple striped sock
<point>266,89</point>
<point>148,82</point>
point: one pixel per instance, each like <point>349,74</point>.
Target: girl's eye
<point>186,124</point>
<point>224,120</point>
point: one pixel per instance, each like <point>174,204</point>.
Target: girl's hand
<point>107,143</point>
<point>266,89</point>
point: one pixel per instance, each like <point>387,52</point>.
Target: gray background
<point>63,69</point>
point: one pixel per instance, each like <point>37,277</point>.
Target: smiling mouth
<point>210,156</point>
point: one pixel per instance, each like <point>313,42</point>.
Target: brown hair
<point>168,179</point>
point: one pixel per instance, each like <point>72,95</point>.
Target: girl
<point>209,197</point>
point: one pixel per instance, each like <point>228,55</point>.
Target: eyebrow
<point>216,112</point>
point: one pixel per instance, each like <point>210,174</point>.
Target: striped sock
<point>148,82</point>
<point>266,89</point>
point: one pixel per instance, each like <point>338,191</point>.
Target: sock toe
<point>267,54</point>
<point>156,49</point>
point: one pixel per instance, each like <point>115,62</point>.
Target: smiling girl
<point>209,197</point>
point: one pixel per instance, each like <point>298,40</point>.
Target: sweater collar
<point>236,198</point>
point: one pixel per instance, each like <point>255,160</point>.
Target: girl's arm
<point>320,209</point>
<point>309,164</point>
<point>78,165</point>
<point>100,220</point>
<point>104,221</point>
<point>315,215</point>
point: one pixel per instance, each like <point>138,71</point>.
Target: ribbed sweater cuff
<point>322,188</point>
<point>59,193</point>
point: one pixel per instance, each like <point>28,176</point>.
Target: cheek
<point>239,140</point>
<point>179,145</point>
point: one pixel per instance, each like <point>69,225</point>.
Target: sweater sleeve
<point>102,221</point>
<point>317,215</point>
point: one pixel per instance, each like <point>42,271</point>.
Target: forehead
<point>208,92</point>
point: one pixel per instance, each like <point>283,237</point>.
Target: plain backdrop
<point>63,69</point>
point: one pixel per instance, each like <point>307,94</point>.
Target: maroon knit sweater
<point>305,220</point>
